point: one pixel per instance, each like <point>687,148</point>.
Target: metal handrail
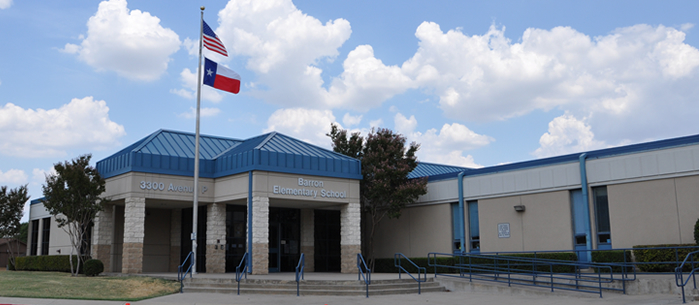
<point>180,274</point>
<point>397,263</point>
<point>364,273</point>
<point>239,273</point>
<point>499,268</point>
<point>299,270</point>
<point>625,251</point>
<point>679,275</point>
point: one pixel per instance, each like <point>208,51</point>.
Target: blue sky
<point>476,83</point>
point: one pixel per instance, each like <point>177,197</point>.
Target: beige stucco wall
<point>546,224</point>
<point>648,212</point>
<point>418,231</point>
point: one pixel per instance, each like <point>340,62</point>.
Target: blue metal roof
<point>171,152</point>
<point>594,154</point>
<point>432,170</point>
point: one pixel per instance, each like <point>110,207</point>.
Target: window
<point>601,202</point>
<point>45,231</point>
<point>35,237</point>
<point>474,232</point>
<point>457,228</point>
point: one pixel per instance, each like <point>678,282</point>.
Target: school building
<point>275,197</point>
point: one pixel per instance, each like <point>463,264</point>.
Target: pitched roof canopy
<point>172,153</point>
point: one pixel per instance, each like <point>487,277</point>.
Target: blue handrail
<point>364,272</point>
<point>240,272</point>
<point>679,274</point>
<point>542,271</point>
<point>420,270</point>
<point>299,271</point>
<point>181,275</point>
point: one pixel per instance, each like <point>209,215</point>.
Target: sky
<point>475,83</point>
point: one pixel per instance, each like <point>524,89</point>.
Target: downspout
<point>460,180</point>
<point>250,222</point>
<point>586,200</point>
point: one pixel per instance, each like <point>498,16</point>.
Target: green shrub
<point>665,258</point>
<point>59,263</point>
<point>93,267</point>
<point>612,256</point>
<point>696,232</point>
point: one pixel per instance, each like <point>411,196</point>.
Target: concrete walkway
<point>513,296</point>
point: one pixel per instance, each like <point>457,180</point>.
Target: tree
<point>23,232</point>
<point>386,162</point>
<point>72,195</point>
<point>11,210</point>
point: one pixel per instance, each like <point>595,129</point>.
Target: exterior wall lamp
<point>520,208</point>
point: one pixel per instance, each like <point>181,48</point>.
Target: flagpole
<point>195,209</point>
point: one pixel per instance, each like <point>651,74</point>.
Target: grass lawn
<point>59,285</point>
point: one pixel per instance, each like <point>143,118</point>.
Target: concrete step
<point>378,287</point>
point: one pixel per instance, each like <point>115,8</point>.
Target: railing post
<point>551,273</point>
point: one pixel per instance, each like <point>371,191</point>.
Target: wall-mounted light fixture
<point>520,208</point>
<point>59,251</point>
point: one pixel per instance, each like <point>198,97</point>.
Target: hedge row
<point>646,256</point>
<point>613,256</point>
<point>59,263</point>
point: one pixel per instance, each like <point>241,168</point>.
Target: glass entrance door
<point>236,216</point>
<point>284,239</point>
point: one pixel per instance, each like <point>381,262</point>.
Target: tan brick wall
<point>349,258</point>
<point>103,253</point>
<point>260,258</point>
<point>215,259</point>
<point>132,261</point>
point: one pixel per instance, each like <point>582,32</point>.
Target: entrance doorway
<point>284,239</point>
<point>326,240</point>
<point>236,220</point>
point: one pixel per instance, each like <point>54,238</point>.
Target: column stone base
<point>260,259</point>
<point>348,259</point>
<point>308,252</point>
<point>132,258</point>
<point>215,259</point>
<point>103,253</point>
<point>174,258</point>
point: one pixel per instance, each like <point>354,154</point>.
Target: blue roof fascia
<point>294,171</point>
<point>38,200</point>
<point>594,154</point>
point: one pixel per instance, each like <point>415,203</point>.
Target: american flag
<point>212,42</point>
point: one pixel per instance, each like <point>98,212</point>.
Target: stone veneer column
<point>175,238</point>
<point>134,231</point>
<point>216,238</point>
<point>260,235</point>
<point>102,233</point>
<point>350,236</point>
<point>308,238</point>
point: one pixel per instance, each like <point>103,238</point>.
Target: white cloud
<point>13,176</point>
<point>203,112</point>
<point>304,124</point>
<point>445,146</point>
<point>82,123</point>
<point>350,120</point>
<point>376,123</point>
<point>39,175</point>
<point>189,90</point>
<point>5,4</point>
<point>129,42</point>
<point>567,135</point>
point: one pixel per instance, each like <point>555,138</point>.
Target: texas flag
<point>220,77</point>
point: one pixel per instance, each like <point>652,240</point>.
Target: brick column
<point>102,236</point>
<point>260,235</point>
<point>216,238</point>
<point>308,238</point>
<point>175,238</point>
<point>350,236</point>
<point>134,231</point>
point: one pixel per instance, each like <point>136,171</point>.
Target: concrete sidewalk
<point>463,298</point>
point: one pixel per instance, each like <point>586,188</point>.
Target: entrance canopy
<point>172,153</point>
